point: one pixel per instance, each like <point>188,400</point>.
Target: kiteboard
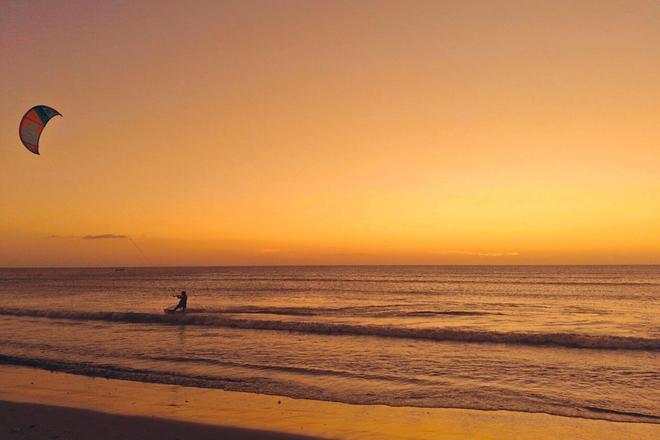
<point>170,311</point>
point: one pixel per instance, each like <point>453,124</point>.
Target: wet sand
<point>28,421</point>
<point>65,406</point>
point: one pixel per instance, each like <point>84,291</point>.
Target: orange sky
<point>286,132</point>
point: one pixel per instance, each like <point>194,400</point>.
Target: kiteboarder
<point>183,302</point>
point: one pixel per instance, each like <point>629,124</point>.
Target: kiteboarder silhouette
<point>183,303</point>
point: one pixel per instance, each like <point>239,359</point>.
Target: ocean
<point>577,341</point>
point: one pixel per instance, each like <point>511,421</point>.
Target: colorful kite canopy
<point>33,124</point>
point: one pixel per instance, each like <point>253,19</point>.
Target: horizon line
<point>328,265</point>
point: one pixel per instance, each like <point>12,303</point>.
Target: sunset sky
<point>330,132</point>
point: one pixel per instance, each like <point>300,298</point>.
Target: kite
<point>33,124</point>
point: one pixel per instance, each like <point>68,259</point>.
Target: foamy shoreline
<point>272,414</point>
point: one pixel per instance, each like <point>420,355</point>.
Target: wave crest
<point>569,340</point>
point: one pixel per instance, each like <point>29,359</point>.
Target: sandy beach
<point>39,404</point>
<point>32,421</point>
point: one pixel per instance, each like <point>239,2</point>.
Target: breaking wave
<point>272,386</point>
<point>569,340</point>
<point>372,311</point>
